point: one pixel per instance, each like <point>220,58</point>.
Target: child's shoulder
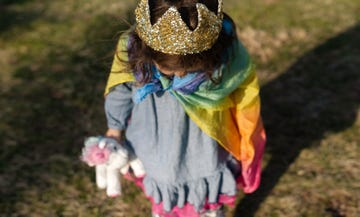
<point>124,39</point>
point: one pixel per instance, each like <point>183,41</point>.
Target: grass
<point>54,58</point>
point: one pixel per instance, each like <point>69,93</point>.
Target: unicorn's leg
<point>113,182</point>
<point>137,167</point>
<point>100,171</point>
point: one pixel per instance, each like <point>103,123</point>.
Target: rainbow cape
<point>229,112</point>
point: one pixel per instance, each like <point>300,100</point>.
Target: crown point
<point>171,35</point>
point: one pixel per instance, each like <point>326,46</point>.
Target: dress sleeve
<point>118,106</point>
<point>118,91</point>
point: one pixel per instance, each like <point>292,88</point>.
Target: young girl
<point>185,90</point>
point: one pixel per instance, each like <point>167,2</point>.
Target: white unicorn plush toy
<point>110,159</point>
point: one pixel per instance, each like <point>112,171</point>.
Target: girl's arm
<point>118,107</point>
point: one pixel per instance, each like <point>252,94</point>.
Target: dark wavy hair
<point>142,57</point>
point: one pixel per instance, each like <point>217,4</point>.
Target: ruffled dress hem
<point>192,198</point>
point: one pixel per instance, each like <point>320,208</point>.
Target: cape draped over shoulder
<point>229,111</point>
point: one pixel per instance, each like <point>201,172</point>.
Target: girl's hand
<point>114,133</point>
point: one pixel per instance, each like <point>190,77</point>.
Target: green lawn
<point>54,59</point>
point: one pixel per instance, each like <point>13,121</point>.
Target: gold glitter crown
<point>171,35</point>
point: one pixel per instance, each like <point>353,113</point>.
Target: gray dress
<point>182,163</point>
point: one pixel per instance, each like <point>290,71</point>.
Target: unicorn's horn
<point>102,143</point>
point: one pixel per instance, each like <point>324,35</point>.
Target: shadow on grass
<point>319,94</point>
<point>10,17</point>
<point>51,106</point>
<point>10,2</point>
